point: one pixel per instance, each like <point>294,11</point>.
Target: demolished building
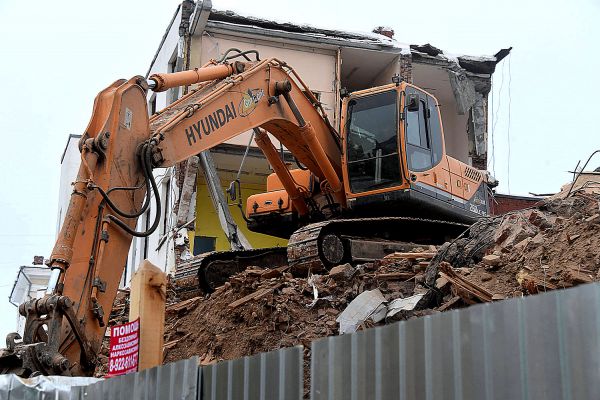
<point>331,61</point>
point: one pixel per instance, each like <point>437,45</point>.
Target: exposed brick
<point>503,203</point>
<point>406,68</point>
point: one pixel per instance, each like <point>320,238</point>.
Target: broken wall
<point>462,97</point>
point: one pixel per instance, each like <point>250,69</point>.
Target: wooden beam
<point>425,255</point>
<point>147,302</point>
<point>392,276</point>
<point>463,287</point>
<point>254,296</point>
<point>577,276</point>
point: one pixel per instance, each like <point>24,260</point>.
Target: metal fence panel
<point>41,387</point>
<point>276,375</point>
<point>178,380</point>
<point>537,347</point>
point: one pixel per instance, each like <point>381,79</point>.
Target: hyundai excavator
<point>383,175</point>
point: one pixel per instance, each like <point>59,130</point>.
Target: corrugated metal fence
<point>177,380</point>
<point>538,347</point>
<point>276,375</point>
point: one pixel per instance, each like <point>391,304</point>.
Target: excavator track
<point>213,269</point>
<point>326,244</point>
<point>315,247</point>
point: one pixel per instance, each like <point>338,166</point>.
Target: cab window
<point>372,142</point>
<point>418,145</point>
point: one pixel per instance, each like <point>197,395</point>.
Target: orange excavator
<point>382,177</point>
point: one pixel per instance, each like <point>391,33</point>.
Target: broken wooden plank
<point>426,255</point>
<point>463,287</point>
<point>449,303</point>
<point>183,304</point>
<point>254,296</point>
<point>577,276</point>
<point>391,276</point>
<point>274,272</point>
<point>172,343</point>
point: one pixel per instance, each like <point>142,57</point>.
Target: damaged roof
<point>426,52</point>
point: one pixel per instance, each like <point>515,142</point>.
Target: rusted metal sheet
<point>537,347</point>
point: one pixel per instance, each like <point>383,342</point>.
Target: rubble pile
<point>526,252</point>
<point>551,246</point>
<point>265,309</point>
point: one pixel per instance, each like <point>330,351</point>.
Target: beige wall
<point>385,76</point>
<point>434,79</point>
<point>315,66</point>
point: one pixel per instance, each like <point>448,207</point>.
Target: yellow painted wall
<point>207,222</point>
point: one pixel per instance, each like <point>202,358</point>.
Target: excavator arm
<point>267,95</point>
<point>120,147</point>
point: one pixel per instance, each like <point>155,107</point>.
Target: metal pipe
<point>284,175</point>
<point>183,78</point>
<point>53,281</point>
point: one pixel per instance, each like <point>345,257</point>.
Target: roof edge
<point>71,136</point>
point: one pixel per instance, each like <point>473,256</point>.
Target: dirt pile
<point>265,309</point>
<point>552,246</point>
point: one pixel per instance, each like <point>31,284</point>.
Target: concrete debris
<point>342,272</point>
<point>492,260</point>
<point>586,183</point>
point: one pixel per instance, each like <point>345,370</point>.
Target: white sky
<point>56,56</point>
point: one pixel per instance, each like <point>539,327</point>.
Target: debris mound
<point>551,246</point>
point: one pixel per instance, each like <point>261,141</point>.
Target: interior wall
<point>317,67</point>
<point>384,77</point>
<point>362,69</point>
<point>253,179</point>
<point>434,80</point>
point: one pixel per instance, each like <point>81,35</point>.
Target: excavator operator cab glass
<point>372,142</point>
<point>422,131</point>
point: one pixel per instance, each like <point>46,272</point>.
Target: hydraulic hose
<point>115,208</point>
<point>240,53</point>
<point>146,160</point>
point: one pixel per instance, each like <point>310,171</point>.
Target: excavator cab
<point>395,161</point>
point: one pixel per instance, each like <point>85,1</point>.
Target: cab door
<point>424,146</point>
<point>372,153</point>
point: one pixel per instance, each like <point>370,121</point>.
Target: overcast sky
<point>56,56</point>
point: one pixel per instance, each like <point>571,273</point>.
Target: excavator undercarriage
<point>321,246</point>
